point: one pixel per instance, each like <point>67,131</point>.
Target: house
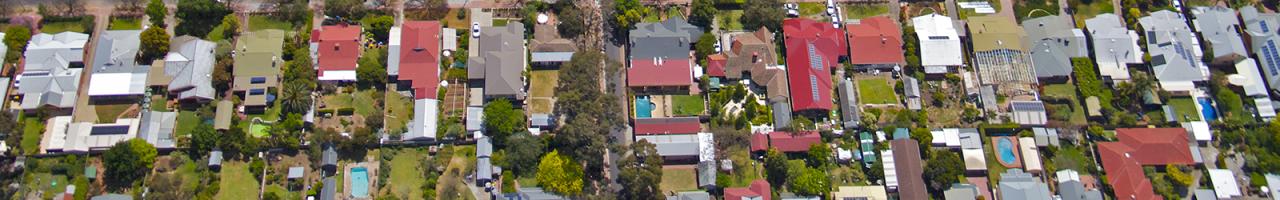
<point>336,47</point>
<point>417,58</point>
<point>1250,80</point>
<point>940,49</point>
<point>1137,147</point>
<point>903,169</point>
<point>850,109</point>
<point>535,193</point>
<point>257,66</point>
<point>660,57</point>
<point>1001,55</point>
<point>878,43</point>
<point>157,128</point>
<point>51,73</point>
<point>190,65</point>
<point>681,148</point>
<point>1262,38</point>
<point>754,54</point>
<point>1220,27</point>
<point>61,135</point>
<point>1016,184</point>
<point>1115,47</point>
<point>691,195</point>
<point>666,126</point>
<point>1070,187</point>
<point>869,192</point>
<point>1030,155</point>
<point>499,62</point>
<point>758,190</point>
<point>911,89</point>
<point>961,191</point>
<point>793,142</point>
<point>547,48</point>
<point>215,159</point>
<point>1054,41</point>
<point>1173,49</point>
<point>116,74</point>
<point>1029,113</point>
<point>814,49</point>
<point>1225,185</point>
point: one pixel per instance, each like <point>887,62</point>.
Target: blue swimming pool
<point>1004,146</point>
<point>360,182</point>
<point>1207,110</point>
<point>644,107</point>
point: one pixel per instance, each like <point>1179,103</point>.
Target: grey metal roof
<point>551,56</point>
<point>112,197</point>
<point>1262,29</point>
<point>484,147</point>
<point>296,172</point>
<point>1074,190</point>
<point>475,117</point>
<point>47,52</point>
<point>691,195</point>
<point>1053,41</point>
<point>500,61</point>
<point>911,87</point>
<point>970,138</point>
<point>540,120</point>
<point>1205,194</point>
<point>330,189</point>
<point>781,114</point>
<point>157,128</point>
<point>425,118</point>
<point>849,105</point>
<point>533,193</point>
<point>484,169</point>
<point>989,100</point>
<point>116,52</point>
<point>1219,26</point>
<point>961,192</point>
<point>329,157</point>
<point>707,173</point>
<point>673,145</point>
<point>1113,45</point>
<point>1016,184</point>
<point>57,88</point>
<point>3,48</point>
<point>191,67</point>
<point>215,158</point>
<point>1170,43</point>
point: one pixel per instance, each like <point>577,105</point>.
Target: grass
<point>49,183</point>
<point>1071,157</point>
<point>1085,11</point>
<point>501,22</point>
<point>1028,8</point>
<point>530,181</point>
<point>363,103</point>
<point>677,180</point>
<point>158,103</point>
<point>452,179</point>
<point>1067,91</point>
<point>729,19</point>
<point>687,105</point>
<point>1184,109</point>
<point>1198,3</point>
<point>284,193</point>
<point>399,111</point>
<point>543,82</point>
<point>58,27</point>
<point>187,121</point>
<point>258,22</point>
<point>1063,91</point>
<point>237,182</point>
<point>107,113</point>
<point>125,23</point>
<point>744,170</point>
<point>860,11</point>
<point>541,105</point>
<point>32,129</point>
<point>994,168</point>
<point>405,180</point>
<point>812,8</point>
<point>258,130</point>
<point>876,91</point>
<point>216,34</point>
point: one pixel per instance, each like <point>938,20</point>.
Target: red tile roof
<point>875,40</point>
<point>759,142</point>
<point>664,126</point>
<point>671,72</point>
<point>339,47</point>
<point>758,188</point>
<point>1137,147</point>
<point>420,57</point>
<point>794,142</point>
<point>715,65</point>
<point>810,41</point>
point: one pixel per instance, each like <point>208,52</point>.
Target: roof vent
<point>419,49</point>
<point>336,46</point>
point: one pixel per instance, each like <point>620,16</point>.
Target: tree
<point>523,150</point>
<point>501,119</point>
<point>1179,178</point>
<point>198,17</point>
<point>203,140</point>
<point>571,22</point>
<point>295,97</point>
<point>560,174</point>
<point>590,113</point>
<point>155,44</point>
<point>378,26</point>
<point>819,155</point>
<point>763,13</point>
<point>706,46</point>
<point>641,172</point>
<point>350,9</point>
<point>427,9</point>
<point>942,170</point>
<point>156,12</point>
<point>703,13</point>
<point>16,38</point>
<point>293,11</point>
<point>288,133</point>
<point>628,13</point>
<point>807,181</point>
<point>232,26</point>
<point>256,166</point>
<point>775,167</point>
<point>128,161</point>
<point>371,71</point>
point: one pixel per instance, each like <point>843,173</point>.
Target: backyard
<point>859,11</point>
<point>1072,110</point>
<point>32,129</point>
<point>237,182</point>
<point>58,27</point>
<point>656,15</point>
<point>259,22</point>
<point>1087,9</point>
<point>399,111</point>
<point>50,183</point>
<point>542,90</point>
<point>1074,158</point>
<point>451,185</point>
<point>811,9</point>
<point>1184,109</point>
<point>876,91</point>
<point>678,179</point>
<point>361,102</point>
<point>406,171</point>
<point>187,121</point>
<point>687,105</point>
<point>107,113</point>
<point>125,23</point>
<point>729,19</point>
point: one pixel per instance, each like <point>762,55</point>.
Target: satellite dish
<point>542,18</point>
<point>447,53</point>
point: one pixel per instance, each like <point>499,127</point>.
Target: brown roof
<point>906,157</point>
<point>754,53</point>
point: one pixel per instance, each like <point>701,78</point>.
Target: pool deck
<point>1013,141</point>
<point>371,169</point>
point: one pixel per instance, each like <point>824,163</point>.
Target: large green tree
<point>372,70</point>
<point>775,167</point>
<point>807,181</point>
<point>156,12</point>
<point>128,161</point>
<point>703,13</point>
<point>523,150</point>
<point>350,9</point>
<point>203,139</point>
<point>641,172</point>
<point>287,133</point>
<point>571,22</point>
<point>155,44</point>
<point>819,155</point>
<point>706,46</point>
<point>378,26</point>
<point>628,13</point>
<point>943,170</point>
<point>590,113</point>
<point>763,13</point>
<point>198,17</point>
<point>16,38</point>
<point>560,174</point>
<point>231,26</point>
<point>501,119</point>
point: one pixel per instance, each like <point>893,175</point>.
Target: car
<point>475,29</point>
<point>831,10</point>
<point>717,47</point>
<point>835,24</point>
<point>793,13</point>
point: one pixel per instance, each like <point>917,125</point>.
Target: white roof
<point>1030,156</point>
<point>1224,184</point>
<point>62,135</point>
<point>974,159</point>
<point>450,41</point>
<point>426,114</point>
<point>1265,107</point>
<point>844,154</point>
<point>939,40</point>
<point>1250,79</point>
<point>706,147</point>
<point>338,75</point>
<point>393,51</point>
<point>117,84</point>
<point>890,169</point>
<point>949,137</point>
<point>1184,86</point>
<point>1068,175</point>
<point>3,50</point>
<point>1273,184</point>
<point>1200,129</point>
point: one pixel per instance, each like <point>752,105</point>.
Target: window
<point>257,91</point>
<point>258,80</point>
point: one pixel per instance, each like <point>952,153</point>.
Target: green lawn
<point>158,103</point>
<point>1067,91</point>
<point>1071,157</point>
<point>812,8</point>
<point>406,171</point>
<point>501,22</point>
<point>58,27</point>
<point>527,181</point>
<point>994,168</point>
<point>49,183</point>
<point>687,105</point>
<point>258,130</point>
<point>216,33</point>
<point>399,111</point>
<point>876,91</point>
<point>187,121</point>
<point>107,113</point>
<point>363,103</point>
<point>1184,109</point>
<point>125,23</point>
<point>1087,11</point>
<point>729,19</point>
<point>32,130</point>
<point>1060,91</point>
<point>678,180</point>
<point>1027,9</point>
<point>237,182</point>
<point>859,11</point>
<point>284,193</point>
<point>259,22</point>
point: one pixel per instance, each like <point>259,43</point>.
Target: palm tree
<point>296,97</point>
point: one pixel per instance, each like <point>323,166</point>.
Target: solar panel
<point>813,87</point>
<point>815,61</point>
<point>1265,28</point>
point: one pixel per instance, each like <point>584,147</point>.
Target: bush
<point>346,111</point>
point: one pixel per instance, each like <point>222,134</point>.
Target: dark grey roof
<point>1053,40</point>
<point>781,114</point>
<point>330,156</point>
<point>674,27</point>
<point>911,87</point>
<point>330,189</point>
<point>691,195</point>
<point>157,128</point>
<point>1220,27</point>
<point>1027,106</point>
<point>533,193</point>
<point>669,39</point>
<point>500,60</point>
<point>707,173</point>
<point>849,105</point>
<point>1169,41</point>
<point>484,169</point>
<point>112,196</point>
<point>1016,184</point>
<point>1074,190</point>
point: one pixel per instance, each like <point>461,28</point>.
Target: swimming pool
<point>359,182</point>
<point>644,107</point>
<point>1004,146</point>
<point>1207,110</point>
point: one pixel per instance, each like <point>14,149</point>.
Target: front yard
<point>859,11</point>
<point>259,22</point>
<point>125,23</point>
<point>876,91</point>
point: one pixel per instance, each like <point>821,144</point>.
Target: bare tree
<point>71,7</point>
<point>129,6</point>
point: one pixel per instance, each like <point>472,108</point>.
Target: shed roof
<point>425,116</point>
<point>296,172</point>
<point>157,128</point>
<point>1224,184</point>
<point>222,117</point>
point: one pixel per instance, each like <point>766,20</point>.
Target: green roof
<point>91,172</point>
<point>257,53</point>
<point>995,32</point>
